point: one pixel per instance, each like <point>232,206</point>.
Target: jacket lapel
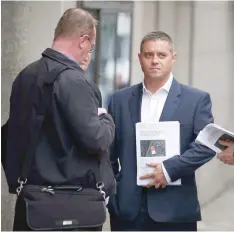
<point>172,102</point>
<point>135,104</point>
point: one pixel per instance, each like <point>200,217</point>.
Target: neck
<point>66,47</point>
<point>153,85</point>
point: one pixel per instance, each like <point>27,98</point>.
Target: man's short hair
<point>157,35</point>
<point>75,22</point>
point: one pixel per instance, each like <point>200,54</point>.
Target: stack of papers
<point>156,142</point>
<point>211,135</point>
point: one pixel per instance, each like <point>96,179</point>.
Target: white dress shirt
<point>152,107</point>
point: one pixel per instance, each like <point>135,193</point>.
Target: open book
<point>211,135</point>
<point>156,142</point>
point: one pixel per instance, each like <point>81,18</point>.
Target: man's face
<point>156,59</point>
<point>85,62</point>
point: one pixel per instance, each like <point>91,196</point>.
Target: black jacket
<point>73,136</point>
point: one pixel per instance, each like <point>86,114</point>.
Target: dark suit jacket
<point>192,108</point>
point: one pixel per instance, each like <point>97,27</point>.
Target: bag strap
<point>36,127</point>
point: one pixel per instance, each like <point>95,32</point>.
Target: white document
<point>210,136</point>
<point>156,142</point>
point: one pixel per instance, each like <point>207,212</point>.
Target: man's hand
<point>158,178</point>
<point>102,111</point>
<point>227,156</point>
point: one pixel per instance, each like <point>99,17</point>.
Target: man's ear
<point>139,57</point>
<point>82,41</point>
<point>174,57</point>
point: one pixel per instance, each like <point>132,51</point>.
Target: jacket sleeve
<point>75,101</point>
<point>197,155</point>
<point>113,149</point>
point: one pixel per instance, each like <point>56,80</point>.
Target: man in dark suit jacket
<point>158,206</point>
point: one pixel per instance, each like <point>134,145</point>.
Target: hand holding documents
<point>102,111</point>
<point>211,135</point>
<point>155,142</point>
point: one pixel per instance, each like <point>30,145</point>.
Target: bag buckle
<point>49,189</point>
<point>100,186</point>
<point>21,183</point>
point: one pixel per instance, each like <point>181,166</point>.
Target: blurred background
<point>203,33</point>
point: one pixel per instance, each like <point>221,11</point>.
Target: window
<point>110,64</point>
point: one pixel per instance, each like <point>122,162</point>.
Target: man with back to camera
<point>158,206</point>
<point>71,142</point>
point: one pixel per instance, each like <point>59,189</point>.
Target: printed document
<point>210,136</point>
<point>156,142</point>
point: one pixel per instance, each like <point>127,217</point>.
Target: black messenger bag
<point>59,207</point>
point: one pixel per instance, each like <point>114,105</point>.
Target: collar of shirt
<point>166,86</point>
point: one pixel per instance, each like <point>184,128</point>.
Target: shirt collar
<point>166,86</point>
